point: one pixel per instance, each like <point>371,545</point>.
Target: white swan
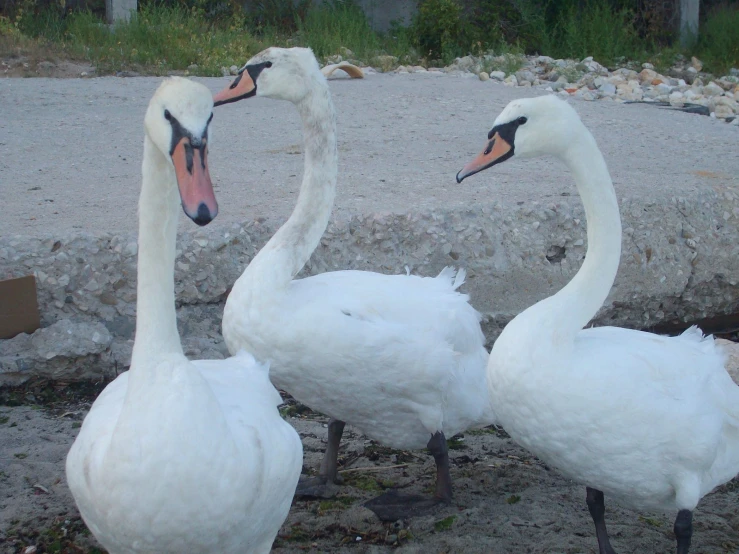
<point>399,357</point>
<point>650,420</point>
<point>178,456</point>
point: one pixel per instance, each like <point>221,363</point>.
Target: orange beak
<point>193,180</point>
<point>242,87</point>
<point>496,151</point>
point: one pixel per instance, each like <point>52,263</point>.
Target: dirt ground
<point>35,62</point>
<point>506,501</point>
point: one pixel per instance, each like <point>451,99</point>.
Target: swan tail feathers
<point>455,277</point>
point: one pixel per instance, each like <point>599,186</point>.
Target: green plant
<point>718,43</point>
<point>595,29</point>
<point>508,63</point>
<point>335,24</point>
<point>441,29</point>
<point>444,524</point>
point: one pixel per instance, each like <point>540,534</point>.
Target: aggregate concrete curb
<point>680,262</point>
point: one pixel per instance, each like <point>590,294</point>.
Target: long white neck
<point>156,319</point>
<point>576,304</point>
<point>292,245</point>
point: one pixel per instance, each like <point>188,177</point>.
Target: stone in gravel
<point>712,89</point>
<point>647,66</point>
<point>608,88</point>
<point>497,75</point>
<point>723,106</point>
<point>525,75</point>
<point>725,84</point>
<point>677,97</point>
<point>647,75</point>
<point>696,63</point>
<point>234,70</point>
<point>484,76</point>
<point>692,70</point>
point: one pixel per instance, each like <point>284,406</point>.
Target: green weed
<point>445,524</point>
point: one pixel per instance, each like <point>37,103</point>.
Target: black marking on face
<point>506,131</point>
<point>179,132</point>
<point>253,71</point>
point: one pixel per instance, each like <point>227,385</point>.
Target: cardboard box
<point>18,307</point>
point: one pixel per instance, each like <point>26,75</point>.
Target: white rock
<point>511,81</point>
<point>647,75</point>
<point>497,75</point>
<point>692,70</point>
<point>677,98</point>
<point>484,76</point>
<point>691,95</point>
<point>608,88</point>
<point>233,70</point>
<point>696,63</point>
<point>647,66</point>
<point>663,88</point>
<point>712,89</point>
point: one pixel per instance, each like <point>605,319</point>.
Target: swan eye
<point>267,64</point>
<point>521,120</point>
<point>167,115</point>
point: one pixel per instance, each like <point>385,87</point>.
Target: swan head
<point>527,127</point>
<point>177,123</point>
<point>281,73</point>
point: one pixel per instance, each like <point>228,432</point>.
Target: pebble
<point>233,70</point>
<point>590,81</point>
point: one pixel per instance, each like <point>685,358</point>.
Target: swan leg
<point>683,530</point>
<point>597,507</point>
<point>392,506</point>
<point>324,486</point>
<point>438,448</point>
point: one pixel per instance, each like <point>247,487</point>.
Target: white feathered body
<point>652,421</point>
<point>400,357</point>
<point>197,459</point>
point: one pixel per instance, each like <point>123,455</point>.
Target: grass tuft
<point>445,524</point>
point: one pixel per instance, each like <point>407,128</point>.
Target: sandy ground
<point>70,151</point>
<point>506,501</point>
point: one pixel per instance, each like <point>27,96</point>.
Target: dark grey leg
<point>438,448</point>
<point>324,486</point>
<point>392,506</point>
<point>597,508</point>
<point>329,465</point>
<point>683,530</point>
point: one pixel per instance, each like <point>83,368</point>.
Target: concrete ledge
<point>680,262</point>
<point>518,229</point>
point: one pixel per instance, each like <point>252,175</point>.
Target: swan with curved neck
<point>652,421</point>
<point>178,456</point>
<point>399,357</point>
